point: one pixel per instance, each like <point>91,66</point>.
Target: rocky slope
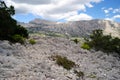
<point>76,28</point>
<point>34,62</point>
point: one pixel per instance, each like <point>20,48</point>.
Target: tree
<point>104,42</point>
<point>21,31</point>
<point>8,26</point>
<point>96,38</point>
<point>10,9</point>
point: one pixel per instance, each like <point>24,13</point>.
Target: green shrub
<point>85,46</point>
<point>64,62</point>
<point>79,73</point>
<point>76,40</point>
<point>21,31</point>
<point>104,43</point>
<point>18,38</point>
<point>32,41</point>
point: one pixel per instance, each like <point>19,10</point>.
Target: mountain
<point>74,28</point>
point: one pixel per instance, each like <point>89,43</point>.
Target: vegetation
<point>92,76</point>
<point>105,43</point>
<point>79,73</point>
<point>18,38</point>
<point>42,35</point>
<point>32,41</point>
<point>76,41</point>
<point>64,62</point>
<point>85,46</point>
<point>9,30</point>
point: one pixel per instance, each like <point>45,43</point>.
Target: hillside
<point>35,62</point>
<point>75,28</point>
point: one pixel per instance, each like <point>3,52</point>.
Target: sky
<point>65,10</point>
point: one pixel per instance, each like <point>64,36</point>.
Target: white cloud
<point>111,10</point>
<point>110,19</point>
<point>116,16</point>
<point>106,11</point>
<point>33,1</point>
<point>51,9</point>
<point>78,17</point>
<point>113,18</point>
<point>116,10</point>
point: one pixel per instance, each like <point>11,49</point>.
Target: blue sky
<point>65,10</point>
<point>98,11</point>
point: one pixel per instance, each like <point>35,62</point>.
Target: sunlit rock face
<point>112,28</point>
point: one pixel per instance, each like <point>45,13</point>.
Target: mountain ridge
<point>81,28</point>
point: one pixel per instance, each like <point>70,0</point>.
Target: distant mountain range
<point>74,28</point>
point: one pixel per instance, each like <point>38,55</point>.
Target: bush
<point>85,46</point>
<point>104,43</point>
<point>21,31</point>
<point>64,62</point>
<point>76,40</point>
<point>32,41</point>
<point>79,73</point>
<point>18,38</point>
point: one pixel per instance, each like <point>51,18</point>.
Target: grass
<point>32,41</point>
<point>92,76</point>
<point>85,46</point>
<point>42,35</point>
<point>53,34</point>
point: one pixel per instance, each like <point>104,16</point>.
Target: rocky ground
<point>33,62</point>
